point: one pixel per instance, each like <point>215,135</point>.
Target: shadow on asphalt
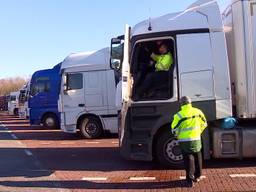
<point>26,173</point>
<point>94,185</point>
<point>39,133</point>
<point>103,159</point>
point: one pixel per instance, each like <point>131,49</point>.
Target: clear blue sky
<point>37,34</point>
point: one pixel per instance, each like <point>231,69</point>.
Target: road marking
<point>242,175</point>
<point>46,143</point>
<point>202,177</point>
<point>3,125</point>
<point>5,131</point>
<point>94,178</point>
<point>14,136</point>
<point>20,143</point>
<point>92,142</point>
<point>142,178</point>
<point>67,143</point>
<point>28,152</point>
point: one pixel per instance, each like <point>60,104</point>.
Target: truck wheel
<point>168,153</point>
<point>16,111</point>
<point>90,128</point>
<point>50,121</point>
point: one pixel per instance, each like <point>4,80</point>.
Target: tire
<point>16,111</point>
<point>50,121</point>
<point>90,128</point>
<point>168,153</point>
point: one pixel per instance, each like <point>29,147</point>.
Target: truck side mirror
<point>116,53</point>
<point>115,64</point>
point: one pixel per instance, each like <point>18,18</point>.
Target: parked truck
<point>87,96</point>
<point>216,70</point>
<point>23,101</point>
<point>43,99</point>
<point>13,103</point>
<point>3,103</point>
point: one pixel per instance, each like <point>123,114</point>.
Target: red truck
<point>3,103</point>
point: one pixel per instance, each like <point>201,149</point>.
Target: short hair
<point>185,100</point>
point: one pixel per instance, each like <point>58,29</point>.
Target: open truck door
<point>126,81</point>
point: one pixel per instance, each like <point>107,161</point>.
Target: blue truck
<point>43,101</point>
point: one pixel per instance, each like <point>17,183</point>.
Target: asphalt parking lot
<point>36,159</point>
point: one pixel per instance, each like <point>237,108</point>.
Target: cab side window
<point>74,81</point>
<point>152,69</point>
<point>40,87</point>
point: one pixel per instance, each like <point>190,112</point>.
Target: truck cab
<point>200,70</point>
<point>13,103</point>
<point>87,96</point>
<point>23,101</point>
<point>43,98</point>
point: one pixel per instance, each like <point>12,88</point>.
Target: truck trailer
<point>43,98</point>
<point>87,96</point>
<point>213,64</point>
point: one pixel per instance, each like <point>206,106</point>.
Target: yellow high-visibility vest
<point>163,62</point>
<point>189,123</point>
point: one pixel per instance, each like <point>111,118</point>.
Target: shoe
<point>189,183</point>
<point>197,179</point>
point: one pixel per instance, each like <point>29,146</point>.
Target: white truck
<point>218,75</point>
<point>13,103</point>
<point>23,101</point>
<point>87,95</point>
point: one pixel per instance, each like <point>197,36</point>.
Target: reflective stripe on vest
<point>188,129</point>
<point>189,139</point>
<point>179,115</point>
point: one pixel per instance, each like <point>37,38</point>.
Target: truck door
<point>53,94</point>
<point>95,90</point>
<point>39,94</point>
<point>195,63</point>
<point>126,89</point>
<point>73,97</point>
<point>252,58</point>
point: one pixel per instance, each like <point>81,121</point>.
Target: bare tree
<point>8,85</point>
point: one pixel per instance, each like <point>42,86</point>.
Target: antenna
<point>149,24</point>
<point>149,20</point>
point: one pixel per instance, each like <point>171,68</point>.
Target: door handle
<point>81,105</point>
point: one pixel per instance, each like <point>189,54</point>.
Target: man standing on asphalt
<point>188,125</point>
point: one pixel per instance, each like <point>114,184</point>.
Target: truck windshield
<point>13,98</point>
<point>22,96</point>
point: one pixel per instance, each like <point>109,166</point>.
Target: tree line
<point>8,85</point>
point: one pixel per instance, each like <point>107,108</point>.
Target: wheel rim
<point>49,122</point>
<point>172,151</point>
<point>91,128</point>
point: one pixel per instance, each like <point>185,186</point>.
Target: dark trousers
<point>193,165</point>
<point>153,80</point>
